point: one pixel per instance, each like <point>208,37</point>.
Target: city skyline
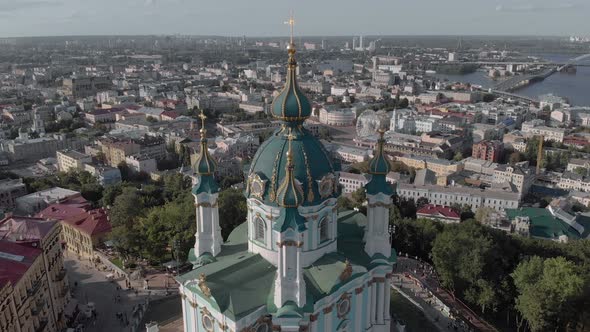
<point>265,18</point>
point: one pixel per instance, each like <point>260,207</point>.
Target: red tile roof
<point>80,216</point>
<point>170,114</point>
<point>92,222</point>
<point>24,229</point>
<point>12,270</point>
<point>439,211</point>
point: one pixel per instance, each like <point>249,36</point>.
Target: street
<point>92,286</point>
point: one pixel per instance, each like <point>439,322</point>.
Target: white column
<point>328,320</point>
<point>373,302</point>
<point>380,304</point>
<point>387,297</point>
<point>314,324</point>
<point>369,304</point>
<point>358,311</point>
<point>184,313</point>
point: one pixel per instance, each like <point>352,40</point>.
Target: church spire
<point>289,194</point>
<point>291,105</point>
<point>379,163</point>
<point>205,165</point>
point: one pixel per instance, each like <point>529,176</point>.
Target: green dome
<point>205,164</point>
<point>312,168</point>
<point>379,163</point>
<point>291,104</point>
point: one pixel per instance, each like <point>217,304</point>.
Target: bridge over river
<point>519,81</point>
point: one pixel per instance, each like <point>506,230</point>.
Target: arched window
<point>324,230</point>
<point>259,230</point>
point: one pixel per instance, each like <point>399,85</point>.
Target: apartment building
<point>84,228</point>
<point>521,178</point>
<point>537,128</point>
<point>10,190</point>
<point>488,150</point>
<point>351,182</point>
<point>35,288</point>
<point>449,195</point>
<point>72,160</point>
<point>574,181</point>
<point>35,202</point>
<point>441,167</point>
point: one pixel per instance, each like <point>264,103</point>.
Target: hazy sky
<point>314,17</point>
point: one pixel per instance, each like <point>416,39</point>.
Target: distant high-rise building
<point>452,56</point>
<point>354,43</point>
<point>361,46</point>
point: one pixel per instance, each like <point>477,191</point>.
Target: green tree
<point>232,210</point>
<point>124,213</point>
<point>458,156</point>
<point>515,157</point>
<point>548,289</point>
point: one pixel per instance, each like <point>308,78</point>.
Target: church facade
<point>296,263</point>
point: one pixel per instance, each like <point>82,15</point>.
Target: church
<point>296,263</point>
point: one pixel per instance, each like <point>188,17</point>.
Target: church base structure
<point>346,291</point>
<point>297,263</point>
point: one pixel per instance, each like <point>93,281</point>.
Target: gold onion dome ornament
<point>291,105</point>
<point>205,164</point>
<point>291,166</point>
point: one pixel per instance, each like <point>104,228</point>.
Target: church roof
<point>242,282</point>
<point>291,104</point>
<point>311,163</point>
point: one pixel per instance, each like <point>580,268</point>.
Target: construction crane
<point>540,153</point>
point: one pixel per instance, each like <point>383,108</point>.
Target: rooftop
<point>545,225</point>
<point>439,211</point>
<point>15,260</point>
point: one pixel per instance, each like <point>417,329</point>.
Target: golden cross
<point>289,152</point>
<point>203,117</point>
<point>291,23</point>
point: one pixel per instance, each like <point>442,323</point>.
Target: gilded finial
<point>291,23</point>
<point>203,117</point>
<point>290,151</point>
<point>203,285</point>
<point>347,272</point>
<point>381,132</point>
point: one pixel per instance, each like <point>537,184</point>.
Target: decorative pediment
<point>327,185</point>
<point>203,285</point>
<point>256,185</point>
<point>347,272</point>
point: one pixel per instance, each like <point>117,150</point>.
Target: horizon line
<point>286,36</point>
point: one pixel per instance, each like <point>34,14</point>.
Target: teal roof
<point>311,163</point>
<point>242,282</point>
<point>289,218</point>
<point>378,168</point>
<point>289,310</point>
<point>378,184</point>
<point>379,163</point>
<point>289,194</point>
<point>545,225</point>
<point>205,184</point>
<point>239,281</point>
<point>205,164</point>
<point>291,104</point>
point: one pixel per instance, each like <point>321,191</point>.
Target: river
<point>574,87</point>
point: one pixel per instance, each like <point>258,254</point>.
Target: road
<point>92,286</point>
<point>411,269</point>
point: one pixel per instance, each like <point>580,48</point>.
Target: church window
<point>324,230</point>
<point>208,323</point>
<point>259,230</point>
<point>343,307</point>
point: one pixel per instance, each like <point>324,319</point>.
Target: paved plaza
<point>115,305</point>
